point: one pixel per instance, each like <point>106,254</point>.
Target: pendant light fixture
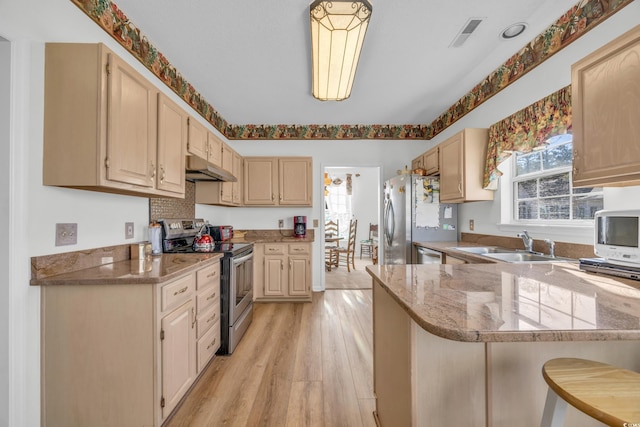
<point>338,28</point>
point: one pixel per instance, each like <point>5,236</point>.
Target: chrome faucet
<point>552,247</point>
<point>527,240</point>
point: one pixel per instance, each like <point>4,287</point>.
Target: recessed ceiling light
<point>513,31</point>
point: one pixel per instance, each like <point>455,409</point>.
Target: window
<point>338,207</point>
<point>543,190</point>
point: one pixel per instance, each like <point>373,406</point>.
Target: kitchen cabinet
<point>462,160</point>
<point>223,193</point>
<point>125,354</point>
<point>282,272</point>
<point>429,161</point>
<point>203,143</point>
<point>207,314</point>
<point>101,126</point>
<point>272,181</point>
<point>172,138</point>
<point>606,100</point>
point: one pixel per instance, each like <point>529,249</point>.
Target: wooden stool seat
<point>607,393</point>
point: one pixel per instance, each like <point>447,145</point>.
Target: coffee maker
<point>300,226</point>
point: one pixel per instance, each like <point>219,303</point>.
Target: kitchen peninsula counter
<point>464,344</point>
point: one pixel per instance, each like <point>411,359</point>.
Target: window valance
<point>526,130</point>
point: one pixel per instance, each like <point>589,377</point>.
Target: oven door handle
<point>243,259</point>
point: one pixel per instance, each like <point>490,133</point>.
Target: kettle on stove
<point>203,242</point>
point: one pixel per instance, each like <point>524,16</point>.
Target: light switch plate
<point>128,230</point>
<point>281,223</point>
<point>66,234</point>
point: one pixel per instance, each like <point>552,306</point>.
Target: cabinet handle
<point>162,174</point>
<point>213,295</point>
<point>212,275</point>
<point>153,171</point>
<point>181,291</point>
<point>212,344</point>
<point>212,318</point>
<point>460,187</point>
<point>193,315</point>
<point>273,197</point>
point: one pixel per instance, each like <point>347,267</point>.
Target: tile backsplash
<point>174,208</point>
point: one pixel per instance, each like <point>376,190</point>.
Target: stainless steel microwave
<point>617,236</point>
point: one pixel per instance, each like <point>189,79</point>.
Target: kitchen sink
<point>483,250</point>
<point>509,255</point>
<point>515,256</point>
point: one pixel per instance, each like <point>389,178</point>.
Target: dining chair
<point>331,230</point>
<point>605,392</point>
<point>366,246</point>
<point>349,250</point>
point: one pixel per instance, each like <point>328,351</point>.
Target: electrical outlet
<point>66,234</point>
<point>281,223</point>
<point>128,230</point>
<point>472,225</point>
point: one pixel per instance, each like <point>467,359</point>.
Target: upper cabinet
<point>203,143</point>
<point>606,102</point>
<point>172,127</point>
<point>462,159</point>
<point>102,124</point>
<point>272,181</point>
<point>429,161</point>
<point>223,193</point>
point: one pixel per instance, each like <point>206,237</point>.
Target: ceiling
<point>251,59</point>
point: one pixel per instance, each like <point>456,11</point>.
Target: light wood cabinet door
<point>178,350</point>
<point>236,188</point>
<point>417,163</point>
<point>452,171</point>
<point>462,160</point>
<point>431,161</point>
<point>299,276</point>
<point>260,181</point>
<point>131,125</point>
<point>275,276</point>
<point>197,141</point>
<point>295,181</point>
<point>214,150</point>
<point>606,102</point>
<point>172,139</point>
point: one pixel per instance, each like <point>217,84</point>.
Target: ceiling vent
<point>466,31</point>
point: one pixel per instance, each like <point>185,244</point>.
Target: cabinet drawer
<point>178,291</point>
<point>206,319</point>
<point>275,249</point>
<point>206,276</point>
<point>299,249</point>
<point>208,298</point>
<point>208,345</point>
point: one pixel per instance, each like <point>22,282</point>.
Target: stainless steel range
<point>236,279</point>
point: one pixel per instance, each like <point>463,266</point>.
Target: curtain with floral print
<point>526,130</point>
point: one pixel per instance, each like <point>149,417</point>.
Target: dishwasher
<point>427,256</point>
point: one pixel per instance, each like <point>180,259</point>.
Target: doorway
<point>351,193</point>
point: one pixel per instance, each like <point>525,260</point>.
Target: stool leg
<point>554,410</point>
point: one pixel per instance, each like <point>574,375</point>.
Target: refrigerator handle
<point>389,228</point>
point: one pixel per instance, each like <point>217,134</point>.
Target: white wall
<point>5,78</point>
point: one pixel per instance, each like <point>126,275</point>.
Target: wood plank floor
<point>298,365</point>
<point>340,278</point>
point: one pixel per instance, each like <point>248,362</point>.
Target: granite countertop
<point>272,236</point>
<point>155,270</point>
<point>505,302</point>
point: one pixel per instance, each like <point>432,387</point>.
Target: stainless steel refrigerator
<point>413,213</point>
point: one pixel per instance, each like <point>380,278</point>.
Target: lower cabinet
<point>125,354</point>
<point>282,272</point>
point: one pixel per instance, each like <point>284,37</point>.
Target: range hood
<point>198,169</point>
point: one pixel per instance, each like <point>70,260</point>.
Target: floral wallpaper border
<point>525,130</point>
<point>584,16</point>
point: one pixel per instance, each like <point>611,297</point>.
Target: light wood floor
<point>298,365</point>
<point>340,278</point>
